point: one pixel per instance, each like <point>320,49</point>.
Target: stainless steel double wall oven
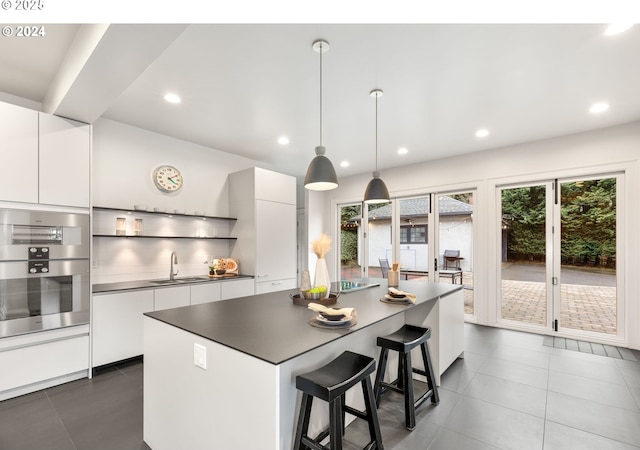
<point>44,270</point>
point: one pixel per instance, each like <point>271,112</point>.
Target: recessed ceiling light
<point>598,108</point>
<point>283,140</point>
<point>617,28</point>
<point>403,151</point>
<point>482,132</point>
<point>172,98</point>
<point>344,164</point>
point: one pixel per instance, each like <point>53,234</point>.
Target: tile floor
<point>509,392</point>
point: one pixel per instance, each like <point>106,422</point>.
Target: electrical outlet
<point>200,356</point>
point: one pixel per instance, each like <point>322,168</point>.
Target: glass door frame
<point>619,337</point>
<point>553,259</point>
<point>549,306</point>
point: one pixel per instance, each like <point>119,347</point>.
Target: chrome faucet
<point>174,260</point>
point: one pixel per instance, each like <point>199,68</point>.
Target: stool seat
<point>403,341</point>
<point>330,383</point>
<point>334,379</point>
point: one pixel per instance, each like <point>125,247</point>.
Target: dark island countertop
<point>152,284</point>
<point>270,327</point>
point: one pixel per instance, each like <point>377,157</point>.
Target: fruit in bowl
<point>315,293</point>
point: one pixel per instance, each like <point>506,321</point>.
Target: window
<point>413,234</point>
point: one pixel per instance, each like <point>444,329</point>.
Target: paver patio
<point>584,307</point>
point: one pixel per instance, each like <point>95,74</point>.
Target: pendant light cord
<point>376,133</point>
<point>321,94</point>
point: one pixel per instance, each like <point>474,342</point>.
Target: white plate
<point>326,321</point>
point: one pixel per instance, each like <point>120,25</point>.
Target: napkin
<point>410,296</point>
<point>347,312</point>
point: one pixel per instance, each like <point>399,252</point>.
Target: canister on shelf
<point>137,227</point>
<point>121,226</point>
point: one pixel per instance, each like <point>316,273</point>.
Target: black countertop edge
<point>149,284</point>
<point>236,323</point>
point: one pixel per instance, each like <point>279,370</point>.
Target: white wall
<point>124,158</point>
<point>615,149</point>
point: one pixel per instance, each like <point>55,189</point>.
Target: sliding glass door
<point>558,258</point>
<point>455,242</point>
<point>525,269</point>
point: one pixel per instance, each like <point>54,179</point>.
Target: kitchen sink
<point>179,280</point>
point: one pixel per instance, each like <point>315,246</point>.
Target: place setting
<point>332,318</point>
<point>398,297</point>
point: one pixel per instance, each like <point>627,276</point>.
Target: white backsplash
<point>117,259</point>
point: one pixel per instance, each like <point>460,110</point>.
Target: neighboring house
<point>456,232</point>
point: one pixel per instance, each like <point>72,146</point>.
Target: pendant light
<point>377,191</point>
<point>321,176</point>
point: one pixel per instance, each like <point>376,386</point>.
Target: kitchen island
<point>222,375</point>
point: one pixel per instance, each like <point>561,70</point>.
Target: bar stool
<point>403,341</point>
<point>330,383</point>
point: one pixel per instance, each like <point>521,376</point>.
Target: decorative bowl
<point>313,295</point>
<point>220,271</point>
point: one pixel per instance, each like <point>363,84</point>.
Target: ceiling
<point>244,86</point>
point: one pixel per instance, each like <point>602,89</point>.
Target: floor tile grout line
<point>591,433</point>
<point>64,426</point>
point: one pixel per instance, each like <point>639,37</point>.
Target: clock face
<point>167,178</point>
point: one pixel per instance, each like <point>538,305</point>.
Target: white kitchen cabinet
<point>171,297</point>
<point>117,325</point>
<point>205,293</point>
<point>264,204</point>
<point>236,288</point>
<point>264,287</point>
<point>45,159</point>
<point>35,361</point>
<point>64,161</point>
<point>19,154</point>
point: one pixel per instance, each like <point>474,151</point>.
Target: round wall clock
<point>167,178</point>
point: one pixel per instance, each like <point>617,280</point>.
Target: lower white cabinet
<point>117,325</point>
<point>205,293</point>
<point>264,287</point>
<point>171,297</point>
<point>35,361</point>
<point>237,288</point>
<point>117,322</point>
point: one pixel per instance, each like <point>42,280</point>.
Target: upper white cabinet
<point>64,161</point>
<point>264,204</point>
<point>45,159</point>
<point>18,154</point>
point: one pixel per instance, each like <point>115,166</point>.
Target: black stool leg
<point>372,414</point>
<point>382,366</point>
<point>336,424</point>
<point>407,387</point>
<point>431,378</point>
<point>303,421</point>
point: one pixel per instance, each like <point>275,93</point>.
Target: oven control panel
<point>38,259</point>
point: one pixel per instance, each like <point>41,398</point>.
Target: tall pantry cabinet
<point>264,203</point>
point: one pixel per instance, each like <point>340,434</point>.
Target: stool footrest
<point>393,386</point>
<point>355,412</point>
<point>312,444</point>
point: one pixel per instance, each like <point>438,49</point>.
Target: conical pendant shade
<point>321,176</point>
<point>377,191</point>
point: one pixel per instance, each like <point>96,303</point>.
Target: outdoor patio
<point>584,307</point>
